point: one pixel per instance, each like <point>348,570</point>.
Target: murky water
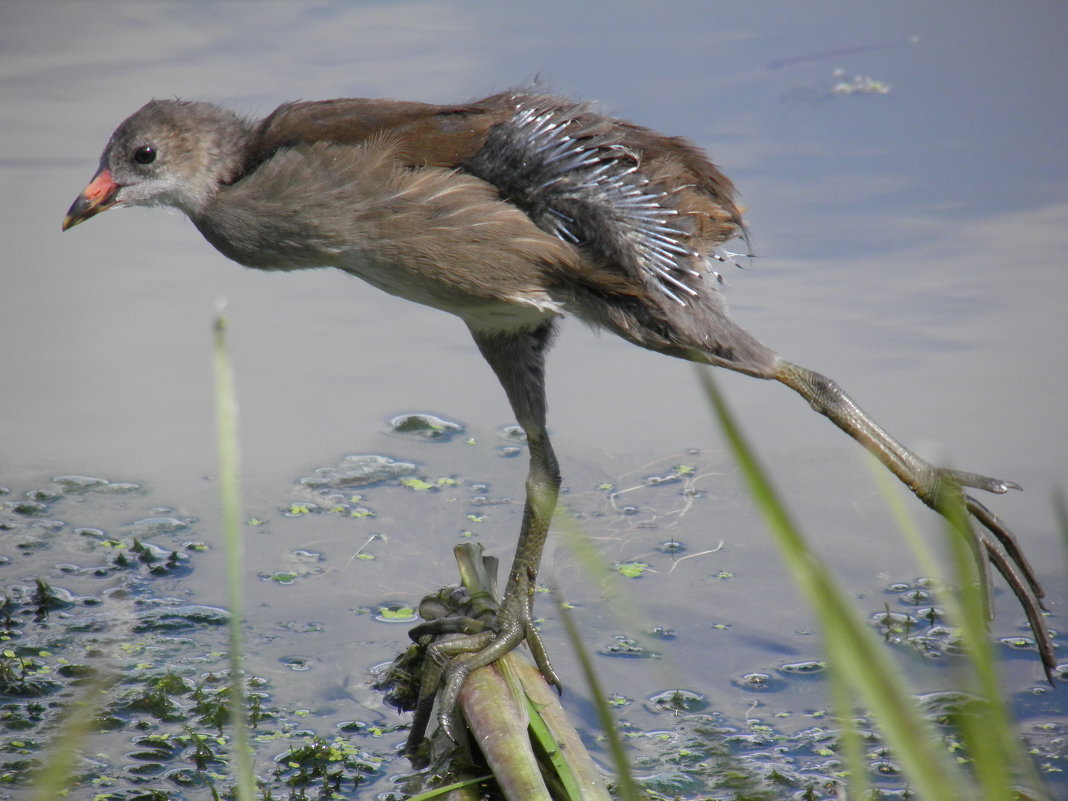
<point>910,244</point>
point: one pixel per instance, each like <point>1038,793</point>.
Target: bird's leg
<point>518,359</point>
<point>936,487</point>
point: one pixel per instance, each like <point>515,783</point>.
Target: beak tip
<point>98,196</point>
<point>82,210</point>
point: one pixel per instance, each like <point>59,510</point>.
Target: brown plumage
<point>508,212</point>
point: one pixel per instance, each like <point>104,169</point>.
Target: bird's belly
<point>483,307</point>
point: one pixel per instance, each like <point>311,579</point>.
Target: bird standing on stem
<point>508,212</point>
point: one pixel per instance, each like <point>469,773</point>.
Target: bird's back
<point>634,200</point>
<point>642,213</point>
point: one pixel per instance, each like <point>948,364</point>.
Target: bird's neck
<point>222,153</point>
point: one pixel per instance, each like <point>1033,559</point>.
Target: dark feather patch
<point>570,172</point>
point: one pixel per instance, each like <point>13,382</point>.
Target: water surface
<point>909,243</point>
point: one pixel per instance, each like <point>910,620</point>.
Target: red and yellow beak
<point>97,197</point>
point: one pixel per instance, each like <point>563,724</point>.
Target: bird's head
<point>169,153</point>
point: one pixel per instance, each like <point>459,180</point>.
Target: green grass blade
<point>229,496</point>
<point>55,778</point>
<point>855,651</point>
<point>852,745</point>
<point>626,788</point>
<point>986,725</point>
<point>540,732</point>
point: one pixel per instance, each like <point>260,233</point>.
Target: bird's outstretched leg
<point>932,485</point>
<point>518,359</point>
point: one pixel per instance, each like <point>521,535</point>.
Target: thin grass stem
<point>229,495</point>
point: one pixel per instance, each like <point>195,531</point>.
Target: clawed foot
<point>943,490</point>
<point>458,656</point>
<point>469,631</point>
<point>999,545</point>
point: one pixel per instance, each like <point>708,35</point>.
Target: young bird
<point>508,212</point>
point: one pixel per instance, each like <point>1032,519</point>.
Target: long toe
<point>996,485</point>
<point>471,653</point>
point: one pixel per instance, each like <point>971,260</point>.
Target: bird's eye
<point>145,154</point>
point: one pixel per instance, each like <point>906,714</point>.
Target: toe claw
<point>447,726</point>
<point>998,486</point>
